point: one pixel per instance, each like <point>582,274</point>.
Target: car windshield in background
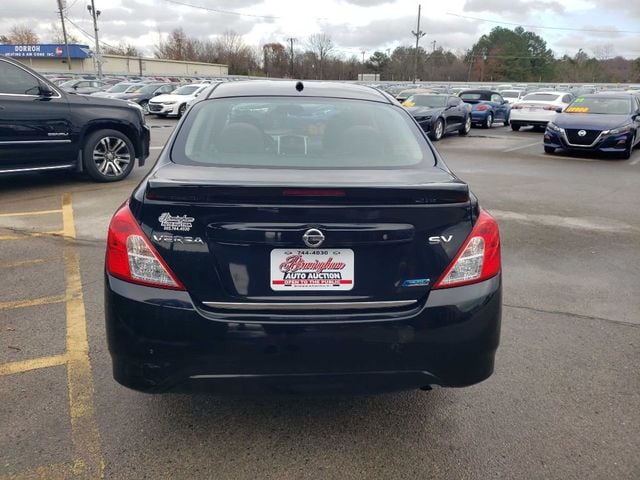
<point>282,132</point>
<point>186,90</point>
<point>431,101</point>
<point>475,96</point>
<point>600,105</point>
<point>510,94</point>
<point>542,97</point>
<point>148,89</point>
<point>119,88</point>
<point>69,83</point>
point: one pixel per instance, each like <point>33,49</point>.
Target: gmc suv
<point>44,128</point>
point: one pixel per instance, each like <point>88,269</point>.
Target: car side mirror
<point>155,94</point>
<point>559,110</point>
<point>45,91</point>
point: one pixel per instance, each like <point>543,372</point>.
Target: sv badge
<point>440,239</point>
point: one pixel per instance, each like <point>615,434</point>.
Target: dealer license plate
<point>312,269</point>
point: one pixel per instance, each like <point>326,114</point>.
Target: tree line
<point>503,55</point>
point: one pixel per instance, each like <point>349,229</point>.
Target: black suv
<point>44,128</point>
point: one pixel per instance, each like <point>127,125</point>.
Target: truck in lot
<point>43,128</point>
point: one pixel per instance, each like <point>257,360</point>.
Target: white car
<point>538,109</point>
<point>512,96</point>
<point>175,103</point>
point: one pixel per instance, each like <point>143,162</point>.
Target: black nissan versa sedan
<point>301,236</point>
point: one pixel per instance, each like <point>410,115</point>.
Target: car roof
<point>288,88</point>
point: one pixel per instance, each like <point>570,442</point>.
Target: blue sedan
<point>596,123</point>
<point>487,106</point>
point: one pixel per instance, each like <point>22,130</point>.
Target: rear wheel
<point>108,156</point>
<point>549,149</point>
<point>488,120</point>
<point>438,130</point>
<point>466,127</point>
<point>515,127</point>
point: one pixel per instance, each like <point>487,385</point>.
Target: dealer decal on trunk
<point>175,224</point>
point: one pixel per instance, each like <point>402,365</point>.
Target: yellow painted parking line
<point>24,263</point>
<point>25,214</point>
<point>84,429</point>
<point>23,235</point>
<point>21,366</point>
<point>49,472</point>
<point>32,302</point>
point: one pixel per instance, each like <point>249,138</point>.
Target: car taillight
<point>132,258</point>
<point>479,257</point>
<point>482,108</point>
<point>550,107</point>
<point>516,107</point>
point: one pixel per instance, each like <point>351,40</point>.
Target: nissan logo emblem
<point>313,238</point>
<point>582,133</point>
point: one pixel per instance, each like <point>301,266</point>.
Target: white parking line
<point>522,147</point>
<point>156,147</point>
<point>635,161</point>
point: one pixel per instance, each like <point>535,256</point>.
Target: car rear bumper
<point>159,340</point>
<point>536,118</point>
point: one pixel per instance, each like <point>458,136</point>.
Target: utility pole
<point>433,46</point>
<point>418,34</point>
<point>291,40</point>
<point>95,14</point>
<point>64,33</point>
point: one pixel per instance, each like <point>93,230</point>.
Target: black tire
<point>145,106</point>
<point>466,127</point>
<point>507,120</point>
<point>549,150</point>
<point>108,156</point>
<point>488,120</point>
<point>515,127</point>
<point>181,110</point>
<point>438,130</point>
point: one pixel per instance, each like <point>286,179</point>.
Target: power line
<point>224,12</point>
<point>86,34</point>
<point>543,27</point>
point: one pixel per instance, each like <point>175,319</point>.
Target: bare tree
<point>58,37</point>
<point>23,34</point>
<point>178,47</point>
<point>321,45</point>
<point>123,49</point>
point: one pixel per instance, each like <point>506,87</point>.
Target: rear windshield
<point>282,132</point>
<point>600,105</point>
<point>542,97</point>
<point>510,93</point>
<point>475,96</point>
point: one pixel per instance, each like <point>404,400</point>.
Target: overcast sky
<point>354,25</point>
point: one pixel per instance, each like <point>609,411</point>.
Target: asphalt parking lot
<point>564,402</point>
